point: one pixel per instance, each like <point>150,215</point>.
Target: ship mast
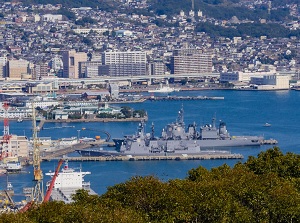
<point>38,194</point>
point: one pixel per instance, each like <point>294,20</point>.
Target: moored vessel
<point>12,166</point>
<point>68,181</point>
<point>176,139</point>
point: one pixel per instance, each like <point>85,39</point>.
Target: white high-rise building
<point>130,63</point>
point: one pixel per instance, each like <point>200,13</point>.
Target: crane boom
<point>50,188</point>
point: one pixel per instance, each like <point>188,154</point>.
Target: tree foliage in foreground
<point>265,188</point>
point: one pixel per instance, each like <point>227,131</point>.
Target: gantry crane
<point>37,195</point>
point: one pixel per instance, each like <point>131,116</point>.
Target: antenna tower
<point>38,194</point>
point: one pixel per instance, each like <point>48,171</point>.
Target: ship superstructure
<point>68,181</point>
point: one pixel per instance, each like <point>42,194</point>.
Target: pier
<point>204,156</point>
<point>182,98</point>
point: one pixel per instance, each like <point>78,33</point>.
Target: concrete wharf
<point>204,156</point>
<point>181,98</point>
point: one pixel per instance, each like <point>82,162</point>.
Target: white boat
<point>267,124</point>
<point>163,89</point>
<point>20,120</point>
<point>67,183</point>
<point>13,166</point>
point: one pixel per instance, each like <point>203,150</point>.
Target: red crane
<point>49,190</point>
<point>6,136</point>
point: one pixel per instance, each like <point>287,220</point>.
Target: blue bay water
<point>244,112</point>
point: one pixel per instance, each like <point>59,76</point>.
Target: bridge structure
<point>64,82</point>
<point>110,79</point>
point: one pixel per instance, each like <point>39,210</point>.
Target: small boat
<point>13,167</point>
<point>20,120</point>
<point>267,124</point>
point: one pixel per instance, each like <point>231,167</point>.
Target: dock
<point>182,98</point>
<point>204,156</point>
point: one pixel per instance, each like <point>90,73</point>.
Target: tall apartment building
<point>191,61</point>
<point>40,70</point>
<point>3,62</point>
<point>131,63</point>
<point>16,69</point>
<point>71,61</point>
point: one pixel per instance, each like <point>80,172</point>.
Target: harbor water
<point>245,113</point>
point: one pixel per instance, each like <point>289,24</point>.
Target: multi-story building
<point>17,69</point>
<point>17,146</point>
<point>71,61</point>
<point>191,61</point>
<point>130,63</point>
<point>40,70</point>
<point>3,61</point>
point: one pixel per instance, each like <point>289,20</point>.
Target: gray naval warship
<point>175,138</point>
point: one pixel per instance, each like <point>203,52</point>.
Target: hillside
<point>218,9</point>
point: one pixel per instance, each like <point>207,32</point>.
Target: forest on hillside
<point>218,9</point>
<point>265,188</point>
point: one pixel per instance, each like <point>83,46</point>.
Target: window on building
<point>72,61</point>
